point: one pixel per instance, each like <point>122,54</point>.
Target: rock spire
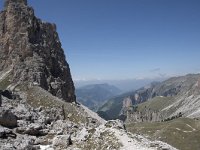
<point>31,49</point>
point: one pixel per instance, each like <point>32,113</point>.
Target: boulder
<point>8,119</point>
<point>5,133</point>
<point>62,141</point>
<point>7,94</point>
<point>33,129</point>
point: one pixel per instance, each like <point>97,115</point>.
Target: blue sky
<point>125,39</point>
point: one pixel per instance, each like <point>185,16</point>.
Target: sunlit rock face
<point>31,49</point>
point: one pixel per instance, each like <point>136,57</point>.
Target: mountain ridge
<point>94,95</point>
<point>183,88</point>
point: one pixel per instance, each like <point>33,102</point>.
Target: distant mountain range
<point>125,85</point>
<point>95,95</point>
<point>169,98</point>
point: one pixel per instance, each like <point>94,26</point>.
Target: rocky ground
<point>28,123</point>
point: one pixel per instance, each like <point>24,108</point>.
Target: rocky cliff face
<point>146,116</point>
<point>31,51</point>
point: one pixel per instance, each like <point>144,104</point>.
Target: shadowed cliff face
<point>31,49</point>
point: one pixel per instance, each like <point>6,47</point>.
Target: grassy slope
<point>5,82</point>
<point>37,97</point>
<point>177,133</point>
<point>156,104</point>
<point>113,106</point>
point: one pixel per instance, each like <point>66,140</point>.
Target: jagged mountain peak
<point>31,50</point>
<point>8,2</point>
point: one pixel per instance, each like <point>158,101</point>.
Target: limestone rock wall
<point>33,50</point>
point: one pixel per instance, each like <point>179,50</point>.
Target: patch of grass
<point>182,133</point>
<point>5,83</point>
<point>37,97</point>
<point>156,104</point>
<point>22,87</point>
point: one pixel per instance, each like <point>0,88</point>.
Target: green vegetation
<point>156,104</point>
<point>182,133</point>
<point>5,83</point>
<point>112,108</point>
<point>37,97</point>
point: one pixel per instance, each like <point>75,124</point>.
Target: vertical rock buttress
<point>33,50</point>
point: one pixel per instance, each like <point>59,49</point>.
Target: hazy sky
<point>120,39</point>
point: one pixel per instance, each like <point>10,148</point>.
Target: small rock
<point>40,108</point>
<point>154,145</point>
<point>69,115</point>
<point>48,120</point>
<point>60,132</point>
<point>20,130</point>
